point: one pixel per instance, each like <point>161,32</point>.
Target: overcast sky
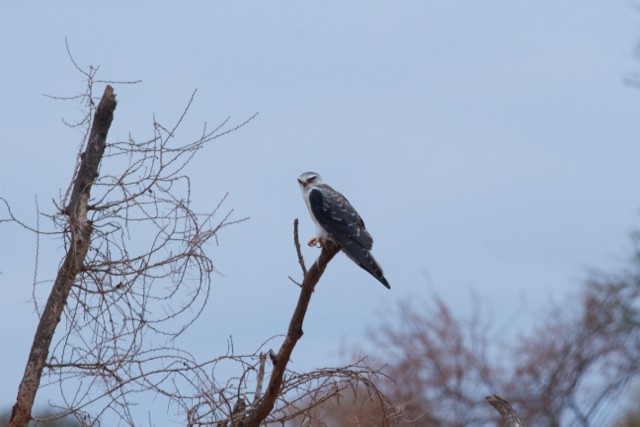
<point>491,147</point>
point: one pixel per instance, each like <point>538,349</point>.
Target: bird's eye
<point>312,178</point>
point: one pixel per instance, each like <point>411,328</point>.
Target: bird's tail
<point>365,260</point>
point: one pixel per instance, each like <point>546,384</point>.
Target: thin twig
<point>296,242</point>
<point>295,281</point>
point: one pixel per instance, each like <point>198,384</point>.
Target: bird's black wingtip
<point>385,283</point>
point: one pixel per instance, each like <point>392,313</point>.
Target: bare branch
<point>294,333</point>
<point>296,242</point>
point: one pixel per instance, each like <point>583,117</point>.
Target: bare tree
<point>566,371</point>
<point>106,289</point>
<point>440,364</point>
<point>579,361</point>
<point>136,272</point>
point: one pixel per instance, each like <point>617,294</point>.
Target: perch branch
<point>259,412</point>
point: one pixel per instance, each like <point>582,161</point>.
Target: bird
<point>337,220</point>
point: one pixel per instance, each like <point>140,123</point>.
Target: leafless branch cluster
<point>567,371</point>
<point>233,402</point>
<point>146,274</point>
<point>579,361</point>
<point>309,390</point>
<point>329,388</point>
<point>440,364</point>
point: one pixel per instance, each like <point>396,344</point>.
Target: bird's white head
<point>308,180</point>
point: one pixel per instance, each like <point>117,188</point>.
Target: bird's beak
<point>300,182</point>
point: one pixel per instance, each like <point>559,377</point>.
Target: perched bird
<point>338,221</point>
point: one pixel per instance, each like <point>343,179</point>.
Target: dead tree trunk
<point>79,232</point>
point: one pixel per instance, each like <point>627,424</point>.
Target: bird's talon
<point>315,242</point>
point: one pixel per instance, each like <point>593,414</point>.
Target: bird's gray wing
<point>343,224</point>
<point>336,215</point>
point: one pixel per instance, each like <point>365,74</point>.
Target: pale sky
<point>491,147</point>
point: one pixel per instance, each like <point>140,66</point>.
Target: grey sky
<point>489,146</point>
